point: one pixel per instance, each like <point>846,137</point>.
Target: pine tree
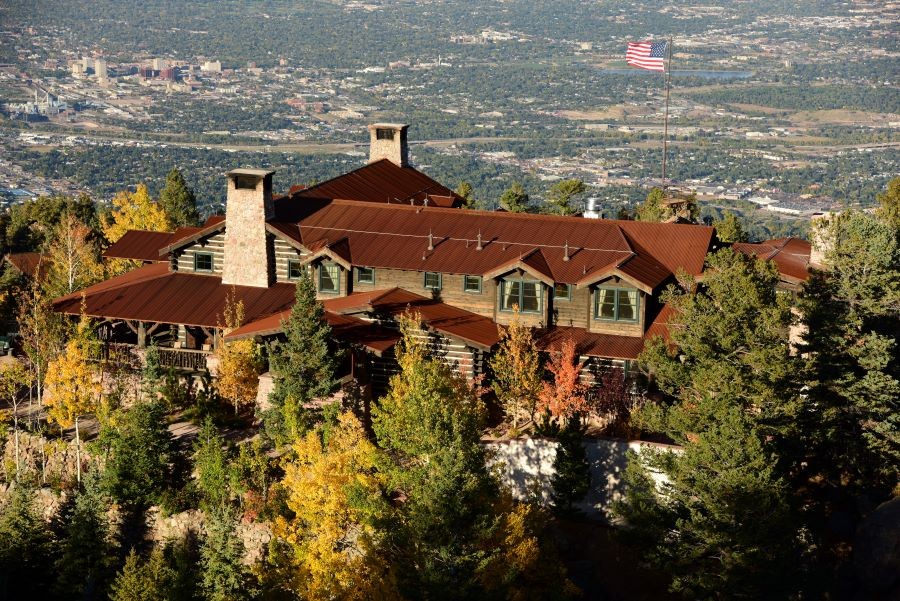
<point>140,453</point>
<point>729,229</point>
<point>571,479</point>
<point>430,423</point>
<point>215,478</point>
<point>465,190</point>
<point>139,580</point>
<point>889,201</point>
<point>652,208</point>
<point>515,199</point>
<point>26,552</point>
<point>562,194</point>
<point>87,555</point>
<point>178,201</point>
<point>224,577</point>
<point>303,362</point>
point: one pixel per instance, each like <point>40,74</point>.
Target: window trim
<point>321,270</point>
<point>522,280</point>
<point>567,297</point>
<point>299,264</point>
<point>212,264</point>
<point>359,280</point>
<point>479,279</point>
<point>616,290</point>
<point>440,280</point>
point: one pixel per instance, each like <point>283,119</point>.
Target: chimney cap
<point>251,172</point>
<point>397,126</point>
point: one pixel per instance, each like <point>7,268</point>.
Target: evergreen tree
<point>303,362</point>
<point>215,478</point>
<point>729,229</point>
<point>571,479</point>
<point>140,452</point>
<point>852,315</point>
<point>86,562</point>
<point>26,547</point>
<point>150,580</point>
<point>515,199</point>
<point>889,201</point>
<point>562,194</point>
<point>223,575</point>
<point>430,424</point>
<point>178,201</point>
<point>721,525</point>
<point>652,208</point>
<point>465,190</point>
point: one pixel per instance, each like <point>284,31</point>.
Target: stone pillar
<point>388,141</point>
<point>249,205</point>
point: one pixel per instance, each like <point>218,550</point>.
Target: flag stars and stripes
<point>647,55</point>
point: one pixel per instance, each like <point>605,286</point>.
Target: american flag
<point>647,55</point>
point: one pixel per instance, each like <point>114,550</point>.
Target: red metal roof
<point>475,329</point>
<point>384,182</point>
<point>791,255</point>
<point>139,245</point>
<point>343,327</point>
<point>29,264</point>
<point>152,293</point>
<point>393,236</point>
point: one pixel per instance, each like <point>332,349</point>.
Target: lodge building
<point>383,240</point>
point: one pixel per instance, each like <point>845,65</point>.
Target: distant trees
<point>178,202</point>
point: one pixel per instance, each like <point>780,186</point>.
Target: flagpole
<point>666,118</point>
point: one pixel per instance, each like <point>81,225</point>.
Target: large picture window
<point>329,278</point>
<point>612,303</point>
<point>526,294</point>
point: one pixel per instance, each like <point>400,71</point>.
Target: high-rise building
<point>100,68</point>
<point>159,64</point>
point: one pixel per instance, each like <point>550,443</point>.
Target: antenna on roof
<point>566,255</point>
<point>584,270</point>
<point>479,247</point>
<point>430,240</point>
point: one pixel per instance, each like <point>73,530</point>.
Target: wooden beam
<point>131,326</point>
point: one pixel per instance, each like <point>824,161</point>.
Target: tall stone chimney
<point>388,141</point>
<point>821,238</point>
<point>248,206</point>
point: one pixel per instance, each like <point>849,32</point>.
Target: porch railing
<point>187,359</point>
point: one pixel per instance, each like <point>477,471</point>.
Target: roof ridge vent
<point>566,252</point>
<point>480,246</point>
<point>430,240</point>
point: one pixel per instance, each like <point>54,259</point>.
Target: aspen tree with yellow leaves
<point>517,371</point>
<point>336,499</point>
<point>240,362</point>
<point>72,385</point>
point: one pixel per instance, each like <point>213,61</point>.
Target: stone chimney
<point>821,238</point>
<point>388,141</point>
<point>248,206</point>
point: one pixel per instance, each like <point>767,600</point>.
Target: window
<point>472,283</point>
<point>562,291</point>
<point>245,182</point>
<point>383,133</point>
<point>616,304</point>
<point>432,280</point>
<point>203,262</point>
<point>329,278</point>
<point>365,275</point>
<point>295,270</point>
<point>526,294</point>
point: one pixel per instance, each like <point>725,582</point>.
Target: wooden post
<point>141,335</point>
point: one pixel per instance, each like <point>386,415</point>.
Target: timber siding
<point>214,245</point>
<point>284,252</point>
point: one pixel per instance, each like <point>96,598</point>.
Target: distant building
<point>211,67</point>
<point>100,68</point>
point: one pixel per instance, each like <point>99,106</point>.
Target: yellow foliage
<point>240,364</point>
<point>72,257</point>
<point>72,385</point>
<point>335,553</point>
<point>135,211</point>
